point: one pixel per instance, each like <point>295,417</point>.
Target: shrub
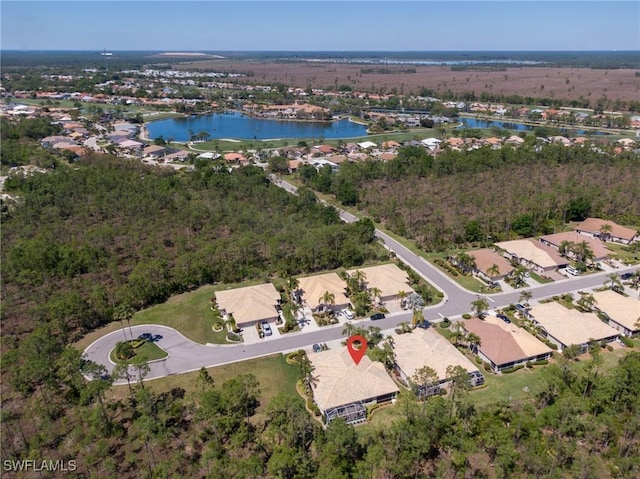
<point>626,341</point>
<point>445,324</point>
<point>512,370</point>
<point>466,316</point>
<point>529,365</point>
<point>487,367</point>
<point>542,362</point>
<point>609,348</point>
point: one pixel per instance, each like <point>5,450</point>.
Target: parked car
<point>626,276</point>
<point>572,271</point>
<point>375,316</point>
<point>266,328</point>
<point>317,348</point>
<point>423,324</point>
<point>521,308</point>
<point>503,317</point>
<point>347,313</point>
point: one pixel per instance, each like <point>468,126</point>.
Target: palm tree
<point>291,284</point>
<point>479,306</point>
<point>518,275</point>
<point>326,299</point>
<point>458,334</point>
<point>465,262</point>
<point>473,341</point>
<point>493,271</point>
<point>586,302</point>
<point>525,296</point>
<point>356,281</point>
<point>375,293</point>
<point>349,329</point>
<point>418,317</point>
<point>605,231</point>
<point>565,247</point>
<point>400,295</point>
<point>123,313</point>
<point>583,252</point>
<point>635,279</point>
<point>613,281</point>
<point>124,350</point>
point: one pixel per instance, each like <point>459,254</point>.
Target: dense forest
<point>460,198</point>
<point>80,240</point>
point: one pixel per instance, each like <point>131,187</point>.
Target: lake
<point>242,127</point>
<point>475,123</point>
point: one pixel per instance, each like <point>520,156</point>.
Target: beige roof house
<point>249,305</point>
<point>388,278</point>
<point>314,287</point>
<point>569,326</point>
<point>485,259</point>
<point>340,381</point>
<point>506,345</point>
<point>425,347</point>
<point>533,252</point>
<point>599,250</point>
<point>622,310</point>
<point>593,227</point>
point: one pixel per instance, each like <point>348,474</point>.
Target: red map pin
<point>357,350</point>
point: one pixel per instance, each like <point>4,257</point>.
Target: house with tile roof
<point>555,240</point>
<point>485,260</point>
<point>388,278</point>
<point>505,345</point>
<point>425,347</point>
<point>566,327</point>
<point>533,254</point>
<point>597,228</point>
<point>249,305</point>
<point>622,312</point>
<point>314,287</point>
<point>343,389</point>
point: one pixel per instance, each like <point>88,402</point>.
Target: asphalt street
<point>185,355</point>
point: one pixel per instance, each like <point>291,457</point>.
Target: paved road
<point>185,355</point>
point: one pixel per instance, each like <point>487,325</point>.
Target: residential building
<point>607,231</point>
<point>622,312</point>
<point>533,254</point>
<point>555,240</point>
<point>388,278</point>
<point>505,345</point>
<point>566,327</point>
<point>249,305</point>
<point>314,288</point>
<point>343,388</point>
<point>485,260</point>
<point>425,347</point>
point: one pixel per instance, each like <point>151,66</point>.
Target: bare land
<point>535,82</point>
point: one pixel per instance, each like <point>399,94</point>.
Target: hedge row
<point>512,370</point>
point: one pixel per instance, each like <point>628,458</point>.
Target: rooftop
<point>249,304</point>
<point>340,381</point>
<point>504,343</point>
<point>425,347</point>
<point>388,278</point>
<point>314,287</point>
<point>622,309</point>
<point>569,326</point>
<point>533,251</point>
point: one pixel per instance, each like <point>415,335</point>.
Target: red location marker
<point>358,349</point>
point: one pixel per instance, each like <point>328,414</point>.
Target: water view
<point>238,126</point>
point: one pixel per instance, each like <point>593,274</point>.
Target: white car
<point>266,328</point>
<point>347,313</point>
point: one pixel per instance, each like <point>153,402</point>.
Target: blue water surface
<point>238,126</point>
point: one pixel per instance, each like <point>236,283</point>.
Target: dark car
<point>626,276</point>
<point>317,348</point>
<point>375,316</point>
<point>504,318</point>
<point>423,324</point>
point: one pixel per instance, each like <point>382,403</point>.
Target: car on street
<point>375,316</point>
<point>347,313</point>
<point>266,329</point>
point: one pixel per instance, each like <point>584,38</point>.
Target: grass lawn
<point>273,373</point>
<point>148,350</point>
<point>503,386</point>
<point>622,253</point>
<point>540,279</point>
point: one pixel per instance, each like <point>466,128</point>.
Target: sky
<point>268,25</point>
